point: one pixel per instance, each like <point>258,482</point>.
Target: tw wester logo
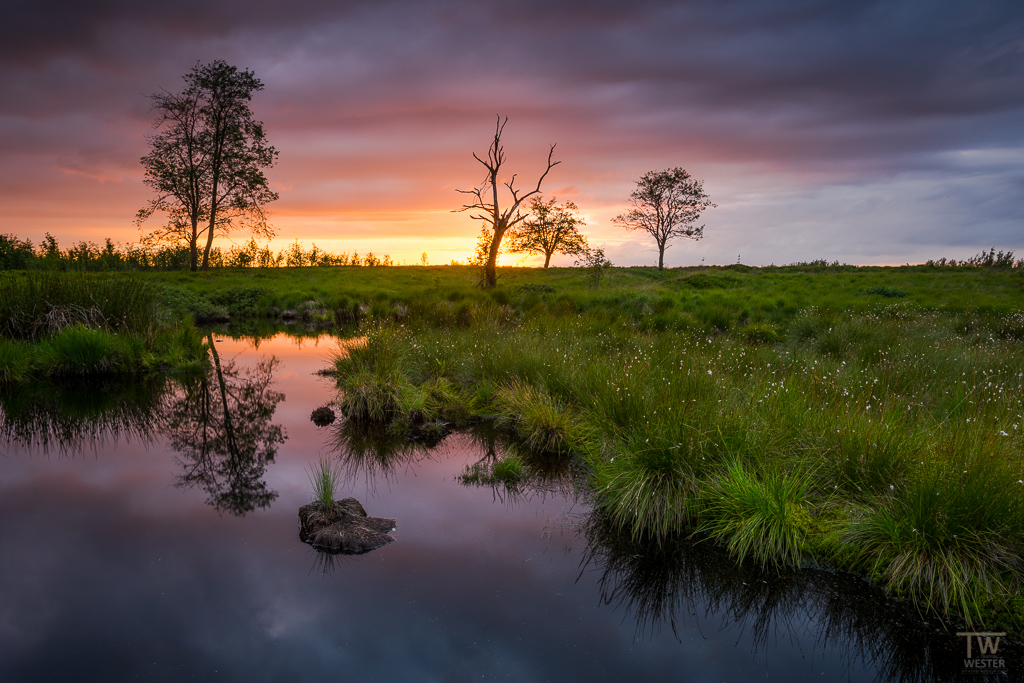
<point>986,658</point>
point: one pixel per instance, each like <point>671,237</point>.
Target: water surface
<point>150,532</point>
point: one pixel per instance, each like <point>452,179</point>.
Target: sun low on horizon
<point>865,133</point>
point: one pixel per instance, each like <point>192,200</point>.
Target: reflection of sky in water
<point>111,572</point>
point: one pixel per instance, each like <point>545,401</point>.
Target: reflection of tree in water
<point>79,415</point>
<point>665,583</point>
<point>220,425</point>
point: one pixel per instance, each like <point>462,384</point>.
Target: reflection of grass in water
<point>515,472</point>
<point>76,414</point>
<point>373,451</point>
<point>327,563</point>
<point>679,579</point>
<point>324,476</point>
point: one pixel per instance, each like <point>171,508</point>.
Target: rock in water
<point>343,527</point>
<point>322,417</point>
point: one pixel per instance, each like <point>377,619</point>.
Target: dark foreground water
<point>150,532</point>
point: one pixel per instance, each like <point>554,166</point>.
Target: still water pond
<point>136,546</point>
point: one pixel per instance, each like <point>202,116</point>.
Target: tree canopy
<point>552,229</point>
<point>206,161</point>
<point>666,205</point>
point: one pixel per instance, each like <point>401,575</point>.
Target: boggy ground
<point>866,419</point>
<point>698,298</point>
<point>883,439</point>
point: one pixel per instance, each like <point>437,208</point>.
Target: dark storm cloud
<point>850,76</point>
<point>381,102</point>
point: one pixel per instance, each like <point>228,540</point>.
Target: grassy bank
<point>884,439</point>
<point>863,419</point>
<point>703,298</point>
<point>71,324</point>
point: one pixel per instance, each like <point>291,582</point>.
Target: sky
<point>864,132</point>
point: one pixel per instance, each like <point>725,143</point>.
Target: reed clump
<point>61,324</point>
<point>764,517</point>
<point>324,476</point>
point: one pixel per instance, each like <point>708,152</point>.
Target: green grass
<point>703,299</point>
<point>36,305</point>
<point>324,477</point>
<point>763,517</point>
<point>60,325</point>
<point>816,414</point>
<point>508,471</point>
<point>827,447</point>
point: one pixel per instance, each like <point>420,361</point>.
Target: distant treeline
<point>18,254</point>
<point>984,259</point>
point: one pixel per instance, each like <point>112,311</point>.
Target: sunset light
<point>858,134</point>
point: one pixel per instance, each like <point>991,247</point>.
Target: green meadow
<point>863,419</point>
<point>712,298</point>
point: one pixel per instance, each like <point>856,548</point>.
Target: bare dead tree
<point>485,200</point>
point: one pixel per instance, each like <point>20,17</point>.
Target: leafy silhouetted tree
<point>205,164</point>
<point>551,230</point>
<point>487,204</point>
<point>666,205</point>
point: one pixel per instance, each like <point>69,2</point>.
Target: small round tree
<point>666,205</point>
<point>552,230</point>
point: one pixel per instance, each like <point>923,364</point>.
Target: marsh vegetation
<point>71,324</point>
<point>880,437</point>
<point>862,419</point>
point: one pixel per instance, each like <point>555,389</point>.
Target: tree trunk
<point>218,157</point>
<point>491,267</point>
<point>661,257</point>
<point>547,258</point>
<point>193,257</point>
<point>206,251</point>
<point>209,232</point>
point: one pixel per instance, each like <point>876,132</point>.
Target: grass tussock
<point>508,471</point>
<point>543,423</point>
<point>37,305</point>
<point>950,537</point>
<point>324,477</point>
<point>764,517</point>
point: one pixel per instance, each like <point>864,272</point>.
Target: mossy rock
<point>343,527</point>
